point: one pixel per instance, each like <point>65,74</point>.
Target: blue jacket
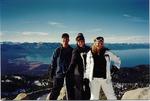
<point>60,61</point>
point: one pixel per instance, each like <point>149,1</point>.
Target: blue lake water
<point>129,58</point>
<point>133,57</point>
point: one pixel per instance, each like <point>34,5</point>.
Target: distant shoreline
<point>112,46</point>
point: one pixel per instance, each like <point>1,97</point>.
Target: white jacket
<point>109,56</point>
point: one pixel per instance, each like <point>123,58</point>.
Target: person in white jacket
<point>98,70</point>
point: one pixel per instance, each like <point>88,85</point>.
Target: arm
<point>73,62</point>
<point>88,61</point>
<point>115,59</point>
<point>109,56</point>
<point>54,62</point>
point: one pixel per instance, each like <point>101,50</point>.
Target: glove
<point>86,81</point>
<point>114,69</point>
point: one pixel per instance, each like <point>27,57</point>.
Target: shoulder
<point>87,48</point>
<point>89,53</point>
<point>106,49</point>
<point>75,49</point>
<point>109,53</point>
<point>70,48</point>
<point>57,50</point>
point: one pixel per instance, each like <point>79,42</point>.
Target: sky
<point>118,21</point>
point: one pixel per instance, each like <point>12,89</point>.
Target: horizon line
<point>74,43</point>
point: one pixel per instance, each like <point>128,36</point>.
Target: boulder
<point>62,95</point>
<point>137,94</point>
<point>22,96</point>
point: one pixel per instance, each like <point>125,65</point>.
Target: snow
<point>8,80</point>
<point>17,77</point>
<point>37,83</point>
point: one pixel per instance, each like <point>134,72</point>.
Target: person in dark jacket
<point>60,62</point>
<point>77,66</point>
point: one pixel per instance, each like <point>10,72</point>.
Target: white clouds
<point>57,24</point>
<point>95,30</point>
<point>34,33</point>
<point>134,18</point>
<point>53,37</point>
<point>27,37</point>
<point>126,15</point>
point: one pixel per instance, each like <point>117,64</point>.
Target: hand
<point>52,75</point>
<point>114,69</point>
<point>86,81</point>
<point>108,81</point>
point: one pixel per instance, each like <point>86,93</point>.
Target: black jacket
<point>100,64</point>
<point>60,61</point>
<point>77,61</point>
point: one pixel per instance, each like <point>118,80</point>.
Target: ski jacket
<point>60,61</point>
<point>109,56</point>
<point>78,60</point>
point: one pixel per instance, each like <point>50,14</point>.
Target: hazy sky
<point>118,21</point>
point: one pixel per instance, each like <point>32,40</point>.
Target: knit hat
<point>80,37</point>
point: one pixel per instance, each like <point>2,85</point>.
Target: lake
<point>133,57</point>
<point>129,58</point>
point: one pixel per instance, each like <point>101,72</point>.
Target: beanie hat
<point>80,37</point>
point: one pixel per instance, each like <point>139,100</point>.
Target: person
<point>60,62</point>
<point>98,70</point>
<point>77,66</point>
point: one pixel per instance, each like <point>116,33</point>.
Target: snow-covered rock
<point>17,77</point>
<point>137,94</point>
<point>62,95</point>
<point>38,83</point>
<point>8,80</point>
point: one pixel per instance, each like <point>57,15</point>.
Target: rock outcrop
<point>22,96</point>
<point>137,94</point>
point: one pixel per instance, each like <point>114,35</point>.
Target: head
<point>80,40</point>
<point>65,39</point>
<point>98,44</point>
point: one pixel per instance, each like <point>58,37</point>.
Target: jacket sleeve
<point>88,61</point>
<point>115,59</point>
<point>73,62</point>
<point>54,62</point>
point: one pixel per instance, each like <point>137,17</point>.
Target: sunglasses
<point>99,39</point>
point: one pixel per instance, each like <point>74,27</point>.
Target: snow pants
<point>106,85</point>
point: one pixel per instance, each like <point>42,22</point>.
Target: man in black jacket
<point>77,66</point>
<point>60,62</point>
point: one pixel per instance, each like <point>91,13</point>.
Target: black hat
<point>65,35</point>
<point>99,39</point>
<point>80,37</point>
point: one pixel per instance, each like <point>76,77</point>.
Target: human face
<point>65,42</point>
<point>81,43</point>
<point>99,44</point>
